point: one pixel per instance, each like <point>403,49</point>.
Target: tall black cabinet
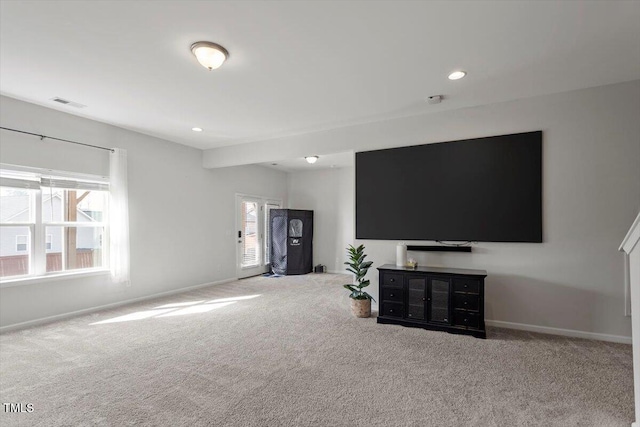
<point>291,233</point>
<point>443,299</point>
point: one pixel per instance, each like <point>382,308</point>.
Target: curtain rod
<point>42,137</point>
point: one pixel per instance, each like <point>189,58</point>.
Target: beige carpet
<point>290,354</point>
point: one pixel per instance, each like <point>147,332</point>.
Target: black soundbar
<point>439,248</point>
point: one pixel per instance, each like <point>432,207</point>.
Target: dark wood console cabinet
<point>441,299</point>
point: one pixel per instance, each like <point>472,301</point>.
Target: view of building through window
<point>18,221</point>
<point>77,245</point>
<point>70,223</point>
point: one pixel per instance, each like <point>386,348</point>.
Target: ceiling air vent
<point>435,99</point>
<point>67,102</point>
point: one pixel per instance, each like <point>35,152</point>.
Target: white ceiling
<point>297,67</point>
<point>326,161</point>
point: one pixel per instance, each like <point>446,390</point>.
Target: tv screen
<point>484,190</point>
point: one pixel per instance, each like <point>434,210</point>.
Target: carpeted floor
<point>290,354</point>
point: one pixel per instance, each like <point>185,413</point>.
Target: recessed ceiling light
<point>196,129</point>
<point>311,159</point>
<point>457,75</point>
<point>210,55</point>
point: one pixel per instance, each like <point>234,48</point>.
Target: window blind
<point>74,185</point>
<point>33,181</point>
<point>19,183</point>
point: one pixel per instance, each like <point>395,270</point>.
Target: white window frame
<point>263,203</point>
<point>258,235</point>
<point>35,178</point>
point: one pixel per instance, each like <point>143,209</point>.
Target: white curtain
<point>119,217</point>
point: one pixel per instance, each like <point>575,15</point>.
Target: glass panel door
<point>252,234</point>
<point>417,288</point>
<point>439,300</point>
<point>249,234</point>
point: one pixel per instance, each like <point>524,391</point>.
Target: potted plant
<point>360,300</point>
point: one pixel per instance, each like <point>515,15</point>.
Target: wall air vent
<point>67,102</point>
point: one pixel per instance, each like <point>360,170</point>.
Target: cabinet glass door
<point>439,301</point>
<point>417,288</point>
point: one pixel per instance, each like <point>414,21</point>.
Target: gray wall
<point>182,216</point>
<point>591,176</point>
<point>330,194</point>
<point>574,280</point>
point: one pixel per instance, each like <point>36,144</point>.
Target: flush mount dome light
<point>210,55</point>
<point>311,159</point>
<point>196,129</point>
<point>457,75</point>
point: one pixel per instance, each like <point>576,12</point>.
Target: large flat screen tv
<point>484,190</point>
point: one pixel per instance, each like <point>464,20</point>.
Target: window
<point>17,226</point>
<point>250,243</point>
<point>295,228</point>
<point>51,224</point>
<point>21,242</point>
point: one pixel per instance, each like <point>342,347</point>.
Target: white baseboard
<point>558,331</point>
<point>49,319</point>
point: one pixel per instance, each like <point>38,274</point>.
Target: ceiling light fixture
<point>457,75</point>
<point>210,55</point>
<point>311,159</point>
<point>196,129</point>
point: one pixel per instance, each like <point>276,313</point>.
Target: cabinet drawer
<point>392,294</point>
<point>466,301</point>
<point>392,280</point>
<point>466,285</point>
<point>465,318</point>
<point>392,309</point>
